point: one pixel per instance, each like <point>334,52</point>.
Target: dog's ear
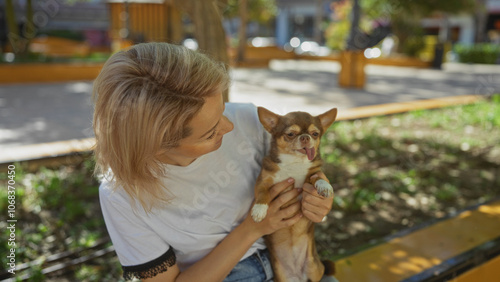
<point>328,118</point>
<point>268,119</point>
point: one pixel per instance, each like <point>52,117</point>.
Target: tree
<point>403,15</point>
<point>353,29</point>
<point>356,15</point>
<point>261,11</point>
<point>480,18</point>
<point>12,26</point>
<point>407,13</point>
<point>242,32</point>
<point>208,30</point>
<point>29,28</point>
<point>338,29</point>
<point>20,39</point>
<point>362,31</point>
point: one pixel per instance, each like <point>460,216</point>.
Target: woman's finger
<point>284,198</point>
<point>279,187</point>
<point>291,221</point>
<point>289,211</point>
<point>312,216</point>
<point>312,212</point>
<point>316,199</point>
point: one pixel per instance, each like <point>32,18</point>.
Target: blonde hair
<point>144,98</point>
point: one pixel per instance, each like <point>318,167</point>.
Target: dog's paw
<point>324,188</point>
<point>259,212</point>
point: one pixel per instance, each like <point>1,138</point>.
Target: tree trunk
<point>10,14</point>
<point>242,32</point>
<point>13,29</point>
<point>352,60</point>
<point>480,19</point>
<point>29,31</point>
<point>318,17</point>
<point>207,19</point>
<point>353,34</point>
<point>444,29</point>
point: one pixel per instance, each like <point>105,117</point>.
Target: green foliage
<point>393,172</point>
<point>445,155</point>
<point>261,11</point>
<point>336,35</point>
<point>447,192</point>
<point>36,274</point>
<point>337,31</point>
<point>57,211</point>
<point>425,8</point>
<point>95,57</point>
<point>67,34</point>
<point>404,15</point>
<point>361,198</point>
<point>482,53</point>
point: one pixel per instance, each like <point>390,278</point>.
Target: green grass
<point>95,57</point>
<point>389,173</point>
<point>57,211</point>
<point>394,172</point>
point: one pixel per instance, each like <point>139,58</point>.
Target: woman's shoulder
<point>242,114</point>
<point>111,193</point>
<point>247,127</point>
<point>244,108</point>
<point>116,203</point>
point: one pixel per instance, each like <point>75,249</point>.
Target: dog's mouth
<point>310,152</point>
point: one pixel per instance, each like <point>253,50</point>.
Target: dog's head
<point>297,133</point>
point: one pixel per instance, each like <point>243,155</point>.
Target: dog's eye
<point>315,134</point>
<point>291,134</point>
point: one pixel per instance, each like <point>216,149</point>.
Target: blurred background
<point>89,30</point>
<point>312,53</point>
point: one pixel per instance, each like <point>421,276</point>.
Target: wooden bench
<point>464,247</point>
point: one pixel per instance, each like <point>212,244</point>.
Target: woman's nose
<point>226,125</point>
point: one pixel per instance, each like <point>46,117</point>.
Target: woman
<point>180,168</point>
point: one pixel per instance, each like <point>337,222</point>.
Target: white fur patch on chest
<point>293,166</point>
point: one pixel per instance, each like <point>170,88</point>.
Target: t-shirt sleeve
<point>142,253</point>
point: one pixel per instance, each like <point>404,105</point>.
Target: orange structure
<point>439,252</point>
<point>352,72</point>
<point>134,21</point>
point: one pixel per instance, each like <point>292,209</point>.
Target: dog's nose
<point>305,138</point>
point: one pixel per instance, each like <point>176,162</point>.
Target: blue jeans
<point>255,268</point>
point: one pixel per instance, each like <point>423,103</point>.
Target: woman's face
<point>207,129</point>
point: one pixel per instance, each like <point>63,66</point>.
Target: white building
<point>298,18</point>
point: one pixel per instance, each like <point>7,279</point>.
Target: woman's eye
<point>212,135</point>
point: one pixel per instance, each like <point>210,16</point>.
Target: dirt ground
<point>405,171</point>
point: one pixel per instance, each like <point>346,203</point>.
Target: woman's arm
<point>221,260</point>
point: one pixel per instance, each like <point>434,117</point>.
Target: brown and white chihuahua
<point>294,153</point>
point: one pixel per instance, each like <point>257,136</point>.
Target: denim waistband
<point>265,261</point>
<point>255,268</point>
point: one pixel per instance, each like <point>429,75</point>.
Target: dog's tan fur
<point>293,250</point>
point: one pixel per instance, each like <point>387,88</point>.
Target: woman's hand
<point>278,217</point>
<point>314,206</point>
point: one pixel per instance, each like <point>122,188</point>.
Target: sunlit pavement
<point>41,113</point>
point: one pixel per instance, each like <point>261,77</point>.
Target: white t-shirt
<point>211,197</point>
